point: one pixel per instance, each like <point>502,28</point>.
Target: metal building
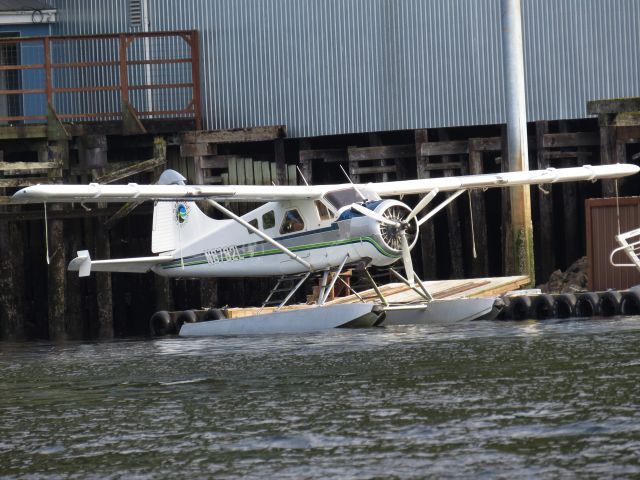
<point>342,66</point>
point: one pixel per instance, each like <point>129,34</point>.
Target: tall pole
<point>520,230</point>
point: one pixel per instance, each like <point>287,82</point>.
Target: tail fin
<point>176,223</point>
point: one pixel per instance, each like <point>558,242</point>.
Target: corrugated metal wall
<point>602,227</point>
<point>340,66</point>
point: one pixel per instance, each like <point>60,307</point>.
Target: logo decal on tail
<point>182,212</point>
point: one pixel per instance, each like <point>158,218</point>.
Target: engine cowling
<point>390,234</point>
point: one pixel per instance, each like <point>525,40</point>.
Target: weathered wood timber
<point>479,265</point>
<point>427,233</point>
<point>614,105</point>
<point>547,261</point>
<point>235,135</point>
<point>136,168</point>
<point>568,139</point>
<point>103,283</point>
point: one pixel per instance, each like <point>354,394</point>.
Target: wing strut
<point>260,233</point>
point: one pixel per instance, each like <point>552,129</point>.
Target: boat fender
<point>542,307</point>
<point>161,324</point>
<point>565,305</point>
<point>630,302</point>
<point>186,316</point>
<point>587,304</point>
<point>519,307</point>
<point>609,303</point>
<point>214,314</point>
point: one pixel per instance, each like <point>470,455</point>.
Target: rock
<point>574,279</point>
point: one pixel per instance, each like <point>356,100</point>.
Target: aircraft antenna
<point>364,199</point>
<point>302,175</point>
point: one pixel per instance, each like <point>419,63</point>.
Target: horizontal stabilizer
<point>84,265</point>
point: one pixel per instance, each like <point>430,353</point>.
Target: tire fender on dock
<point>161,324</point>
<point>542,307</point>
<point>587,304</point>
<point>565,305</point>
<point>630,302</point>
<point>609,303</point>
<point>519,308</point>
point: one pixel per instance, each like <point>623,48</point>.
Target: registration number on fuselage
<point>222,254</point>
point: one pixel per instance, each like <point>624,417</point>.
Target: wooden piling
<point>547,253</point>
<point>58,153</point>
<point>427,234</point>
<point>479,265</point>
<point>11,318</point>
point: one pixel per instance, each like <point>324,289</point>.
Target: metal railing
<point>100,77</point>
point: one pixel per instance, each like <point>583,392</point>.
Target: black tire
<point>565,305</point>
<point>186,316</point>
<point>542,307</point>
<point>587,305</point>
<point>609,303</point>
<point>161,324</point>
<point>630,302</point>
<point>214,314</point>
<point>519,308</point>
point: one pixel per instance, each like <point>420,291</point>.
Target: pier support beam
<point>520,232</point>
<point>58,152</point>
<point>427,235</point>
<point>11,283</point>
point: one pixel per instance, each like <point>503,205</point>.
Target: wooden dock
<point>400,293</point>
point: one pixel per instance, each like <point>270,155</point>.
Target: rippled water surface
<point>482,399</point>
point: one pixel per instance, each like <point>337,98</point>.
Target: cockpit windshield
<point>345,196</point>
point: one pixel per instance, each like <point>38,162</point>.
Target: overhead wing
<point>507,179</point>
<point>133,192</point>
<point>265,193</point>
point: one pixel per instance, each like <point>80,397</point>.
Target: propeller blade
<point>371,214</point>
<point>406,258</point>
<point>422,204</point>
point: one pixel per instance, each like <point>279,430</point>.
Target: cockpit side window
<point>292,222</point>
<point>268,220</point>
<point>253,223</point>
<point>323,211</point>
<point>340,198</point>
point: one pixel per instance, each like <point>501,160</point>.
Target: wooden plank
<point>132,170</point>
<point>487,144</point>
<point>281,166</point>
<point>216,161</point>
<point>381,152</point>
<point>196,149</point>
<point>292,175</point>
<point>266,172</point>
<point>274,173</point>
<point>235,135</point>
<point>572,139</point>
<point>566,154</point>
<point>257,173</point>
<point>248,171</point>
<point>327,155</point>
<point>616,105</point>
<point>452,147</point>
<point>37,166</point>
<point>444,166</point>
<point>22,182</point>
<point>366,170</point>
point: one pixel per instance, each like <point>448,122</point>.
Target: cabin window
<point>253,223</point>
<point>323,211</point>
<point>268,220</point>
<point>340,198</point>
<point>292,222</point>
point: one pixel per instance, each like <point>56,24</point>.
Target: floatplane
<point>298,231</point>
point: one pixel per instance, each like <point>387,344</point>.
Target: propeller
<point>399,227</point>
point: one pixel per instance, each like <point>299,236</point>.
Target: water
<point>483,399</point>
